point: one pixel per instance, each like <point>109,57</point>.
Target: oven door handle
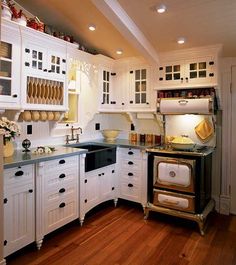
<point>170,202</point>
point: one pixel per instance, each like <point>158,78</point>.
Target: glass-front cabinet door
<point>139,88</point>
<point>200,71</point>
<point>9,68</point>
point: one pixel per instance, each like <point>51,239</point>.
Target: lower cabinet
<point>57,194</point>
<point>97,186</point>
<point>132,175</point>
<point>19,208</point>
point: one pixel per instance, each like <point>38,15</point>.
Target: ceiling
<point>135,27</point>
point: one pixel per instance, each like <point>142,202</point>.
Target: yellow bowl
<point>110,135</point>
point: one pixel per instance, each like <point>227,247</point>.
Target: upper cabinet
<point>9,66</point>
<point>193,68</point>
<point>43,71</point>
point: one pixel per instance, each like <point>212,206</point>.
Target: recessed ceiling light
<point>161,9</point>
<point>181,40</point>
<point>119,51</point>
<point>92,27</point>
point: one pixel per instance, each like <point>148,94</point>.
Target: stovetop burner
<point>199,150</point>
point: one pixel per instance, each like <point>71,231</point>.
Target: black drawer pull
<point>63,72</point>
<point>211,63</point>
<point>130,185</point>
<point>5,242</point>
<point>62,176</point>
<point>45,70</point>
<point>112,188</point>
<point>113,171</point>
<point>14,95</point>
<point>5,200</point>
<point>62,205</point>
<point>130,163</point>
<point>130,174</point>
<point>99,175</point>
<point>211,74</point>
<point>27,50</point>
<point>161,79</point>
<point>49,71</point>
<point>130,153</point>
<point>85,181</point>
<point>85,200</point>
<point>62,190</point>
<point>62,161</point>
<point>161,68</point>
<point>19,173</point>
<point>131,102</point>
<point>30,190</point>
<point>27,64</point>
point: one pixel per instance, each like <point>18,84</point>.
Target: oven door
<point>174,173</point>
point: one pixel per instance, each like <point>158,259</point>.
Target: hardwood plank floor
<point>114,236</point>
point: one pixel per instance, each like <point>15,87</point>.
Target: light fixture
<point>119,51</point>
<point>161,8</point>
<point>181,40</point>
<point>92,27</point>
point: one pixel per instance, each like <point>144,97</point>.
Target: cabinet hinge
<point>229,190</point>
<point>230,88</point>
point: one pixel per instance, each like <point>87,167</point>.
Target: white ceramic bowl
<point>110,135</point>
<point>182,143</point>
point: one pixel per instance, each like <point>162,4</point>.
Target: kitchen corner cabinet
<point>10,54</point>
<point>19,208</point>
<point>57,195</point>
<point>43,71</point>
<point>190,73</point>
<point>97,186</point>
<point>132,175</point>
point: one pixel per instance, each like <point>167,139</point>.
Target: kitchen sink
<point>97,156</point>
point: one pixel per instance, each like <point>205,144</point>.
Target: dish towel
<point>204,130</point>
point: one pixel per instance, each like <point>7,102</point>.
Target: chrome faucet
<point>73,138</point>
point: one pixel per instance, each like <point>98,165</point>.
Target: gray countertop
<point>20,158</point>
<point>124,143</point>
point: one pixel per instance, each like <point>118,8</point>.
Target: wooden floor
<point>121,236</point>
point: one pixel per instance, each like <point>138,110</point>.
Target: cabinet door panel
<point>19,218</point>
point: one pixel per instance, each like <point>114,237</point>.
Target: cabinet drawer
<point>60,213</point>
<point>61,192</point>
<point>57,165</point>
<point>56,179</point>
<point>174,200</point>
<point>130,176</point>
<point>130,153</point>
<point>131,164</point>
<point>130,191</point>
<point>18,175</point>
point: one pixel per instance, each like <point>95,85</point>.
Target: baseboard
<point>224,205</point>
<point>217,202</point>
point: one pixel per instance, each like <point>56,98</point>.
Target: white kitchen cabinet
<point>44,66</point>
<point>10,54</point>
<point>19,208</point>
<point>97,186</point>
<point>189,73</point>
<point>57,194</point>
<point>132,175</point>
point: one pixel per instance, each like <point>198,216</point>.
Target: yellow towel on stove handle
<point>204,130</point>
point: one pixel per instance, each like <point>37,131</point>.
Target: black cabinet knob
<point>131,72</point>
<point>130,185</point>
<point>147,103</point>
<point>62,205</point>
<point>27,64</point>
<point>49,71</point>
<point>161,79</point>
<point>112,188</point>
<point>130,153</point>
<point>64,60</point>
<point>99,175</point>
<point>122,103</point>
<point>85,181</point>
<point>5,200</point>
<point>211,63</point>
<point>27,50</point>
<point>211,74</point>
<point>30,190</point>
<point>5,242</point>
<point>160,68</point>
<point>62,176</point>
<point>130,174</point>
<point>19,173</point>
<point>130,163</point>
<point>113,171</point>
<point>181,79</point>
<point>131,102</point>
<point>62,161</point>
<point>63,72</point>
<point>85,200</point>
<point>45,70</point>
<point>14,96</point>
<point>62,190</point>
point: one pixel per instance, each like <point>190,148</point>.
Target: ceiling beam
<point>113,11</point>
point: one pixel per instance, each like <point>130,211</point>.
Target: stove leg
<point>146,213</point>
<point>201,227</point>
<point>115,202</point>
